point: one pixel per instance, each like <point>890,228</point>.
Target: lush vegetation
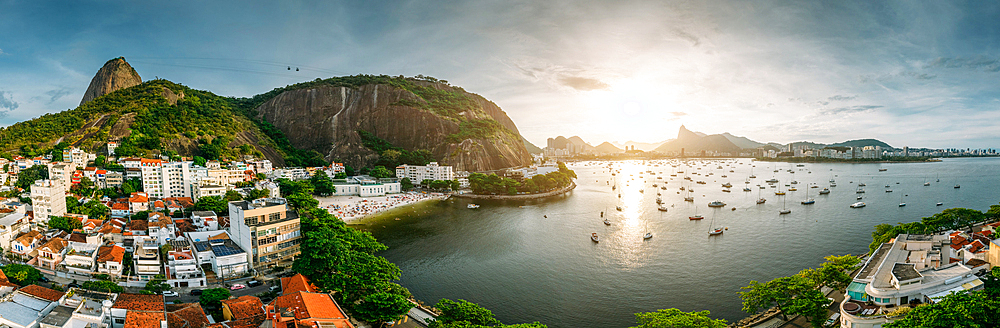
<point>674,318</point>
<point>28,176</point>
<point>391,156</point>
<point>465,314</point>
<point>439,184</point>
<point>952,218</point>
<point>976,309</point>
<point>64,223</point>
<point>211,300</point>
<point>105,286</point>
<point>22,274</point>
<point>495,185</point>
<point>799,294</point>
<point>93,209</point>
<point>343,260</point>
<point>478,129</point>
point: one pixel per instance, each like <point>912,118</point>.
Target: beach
<point>354,208</point>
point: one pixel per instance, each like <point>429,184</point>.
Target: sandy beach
<point>353,208</point>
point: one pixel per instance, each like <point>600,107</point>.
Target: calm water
<point>534,261</point>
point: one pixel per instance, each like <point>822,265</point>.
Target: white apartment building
<point>166,179</point>
<point>228,260</point>
<point>12,224</point>
<point>366,187</point>
<point>266,229</point>
<point>913,269</point>
<point>61,172</point>
<point>182,268</point>
<point>431,171</point>
<point>48,198</point>
<point>77,156</point>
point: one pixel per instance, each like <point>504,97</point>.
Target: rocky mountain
<point>115,75</point>
<point>530,147</point>
<point>607,148</point>
<point>459,128</point>
<point>742,142</point>
<point>692,142</point>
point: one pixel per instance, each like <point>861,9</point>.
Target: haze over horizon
<point>918,74</point>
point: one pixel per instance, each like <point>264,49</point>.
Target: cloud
<point>583,83</point>
<point>695,41</point>
<point>983,63</point>
<point>841,98</point>
<point>56,94</point>
<point>850,109</point>
<point>7,103</point>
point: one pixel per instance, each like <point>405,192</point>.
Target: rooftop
<point>58,316</point>
<point>42,292</point>
<point>138,302</point>
<point>905,271</point>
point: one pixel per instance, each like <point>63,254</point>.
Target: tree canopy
<point>674,318</point>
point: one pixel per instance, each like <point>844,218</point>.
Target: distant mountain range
<point>695,142</point>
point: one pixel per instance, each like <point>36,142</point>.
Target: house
<point>161,228</point>
<point>135,311</point>
<point>81,257</point>
<point>11,224</point>
<point>225,256</point>
<point>174,204</point>
<point>110,259</point>
<point>80,308</point>
<point>305,309</point>
<point>24,244</point>
<point>205,220</point>
<point>247,310</point>
<point>182,268</point>
<point>297,283</point>
<point>112,230</point>
<point>51,253</point>
<point>91,225</point>
<point>6,287</point>
<point>138,202</point>
<point>120,209</point>
<point>113,179</point>
<point>146,258</point>
<point>25,307</point>
<point>187,315</point>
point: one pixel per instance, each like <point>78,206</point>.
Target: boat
<point>808,201</point>
<point>957,186</point>
<point>662,208</point>
<point>726,190</point>
<point>772,180</point>
<point>606,222</point>
<point>647,235</point>
<point>939,204</point>
<point>861,184</point>
<point>882,170</point>
<point>727,185</point>
<point>619,208</point>
<point>779,192</point>
<point>472,206</point>
<point>901,203</point>
<point>860,191</point>
<point>858,205</point>
<point>593,236</point>
<point>746,189</point>
<point>792,189</point>
<point>696,216</point>
<point>716,231</point>
<point>824,191</point>
<point>888,190</point>
<point>784,210</point>
<point>716,204</point>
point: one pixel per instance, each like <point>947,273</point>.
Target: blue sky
<point>914,73</point>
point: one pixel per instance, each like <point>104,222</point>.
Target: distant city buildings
<point>419,173</point>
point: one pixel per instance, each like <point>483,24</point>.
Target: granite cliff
<point>459,128</point>
<point>115,75</point>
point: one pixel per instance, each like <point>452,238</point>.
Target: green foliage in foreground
<point>465,314</point>
<point>674,318</point>
<point>799,294</point>
<point>22,274</point>
<point>496,185</point>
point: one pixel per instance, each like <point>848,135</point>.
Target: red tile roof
<point>138,319</point>
<point>42,292</point>
<point>186,315</point>
<point>55,245</point>
<point>245,307</point>
<point>5,282</point>
<point>110,253</point>
<point>139,302</point>
<point>138,197</point>
<point>296,283</point>
<point>308,306</point>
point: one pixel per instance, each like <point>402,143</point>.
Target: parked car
<point>274,288</point>
<point>72,285</point>
<point>169,293</point>
<point>834,319</point>
<point>237,287</point>
<point>43,279</point>
<point>254,283</point>
<point>195,292</point>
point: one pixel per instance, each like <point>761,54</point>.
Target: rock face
<point>115,75</point>
<point>326,119</point>
<point>693,142</point>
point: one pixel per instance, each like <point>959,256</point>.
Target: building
<point>80,308</point>
<point>166,179</point>
<point>48,198</point>
<point>146,258</point>
<point>81,257</point>
<point>431,171</point>
<point>910,270</point>
<point>61,172</point>
<point>25,307</point>
<point>110,260</point>
<point>135,310</point>
<point>205,220</point>
<point>266,229</point>
<point>182,268</point>
<point>244,309</point>
<point>365,186</point>
<point>12,224</point>
<point>206,188</point>
<point>215,248</point>
<point>305,309</point>
<point>25,244</point>
<point>296,283</point>
<point>51,253</point>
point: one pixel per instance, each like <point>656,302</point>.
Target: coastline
<point>556,192</point>
<point>354,209</point>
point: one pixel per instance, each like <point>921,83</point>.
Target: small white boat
<point>824,191</point>
<point>648,235</point>
<point>593,236</point>
<point>902,204</point>
<point>606,222</point>
<point>661,208</point>
<point>689,199</point>
<point>717,231</point>
<point>957,186</point>
<point>939,204</point>
<point>785,211</point>
<point>472,206</point>
<point>716,204</point>
<point>761,201</point>
<point>727,185</point>
<point>858,205</point>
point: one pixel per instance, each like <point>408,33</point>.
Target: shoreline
<point>556,192</point>
<point>353,209</point>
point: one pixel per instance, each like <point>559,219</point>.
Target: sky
<point>910,73</point>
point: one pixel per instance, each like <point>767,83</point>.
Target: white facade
<point>48,198</point>
<point>216,248</point>
<point>11,224</point>
<point>364,187</point>
<point>431,171</point>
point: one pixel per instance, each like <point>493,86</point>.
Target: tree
<point>64,223</point>
<point>258,194</point>
<point>832,273</point>
<point>779,292</point>
<point>130,186</point>
<point>301,201</point>
<point>140,215</point>
<point>199,161</point>
<point>380,172</point>
<point>157,285</point>
<point>289,187</point>
<point>962,309</point>
<point>462,310</point>
<point>340,175</point>
<point>382,307</point>
<point>29,175</point>
<point>212,203</point>
<point>22,274</point>
<point>232,195</point>
<point>406,184</point>
<point>674,318</point>
<point>211,299</point>
<point>322,184</point>
<point>102,286</point>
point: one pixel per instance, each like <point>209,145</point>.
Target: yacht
<point>939,204</point>
<point>662,208</point>
<point>472,206</point>
<point>957,186</point>
<point>716,204</point>
<point>648,235</point>
<point>716,231</point>
<point>727,185</point>
<point>772,180</point>
<point>746,189</point>
<point>809,201</point>
<point>606,222</point>
<point>593,236</point>
<point>824,191</point>
<point>858,205</point>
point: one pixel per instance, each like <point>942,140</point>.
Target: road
<point>185,296</point>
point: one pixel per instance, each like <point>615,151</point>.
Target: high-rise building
<point>166,179</point>
<point>266,229</point>
<point>48,199</point>
<point>431,171</point>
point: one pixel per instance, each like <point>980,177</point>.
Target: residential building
<point>161,228</point>
<point>80,308</point>
<point>266,229</point>
<point>906,272</point>
<point>146,258</point>
<point>25,307</point>
<point>297,283</point>
<point>191,315</point>
<point>182,268</point>
<point>305,309</point>
<point>51,253</point>
<point>366,186</point>
<point>431,171</point>
<point>76,156</point>
<point>113,179</point>
<point>248,309</point>
<point>61,172</point>
<point>205,220</point>
<point>206,188</point>
<point>48,198</point>
<point>226,257</point>
<point>135,310</point>
<point>152,177</point>
<point>81,257</point>
<point>110,260</point>
<point>12,224</point>
<point>138,202</point>
<point>24,244</point>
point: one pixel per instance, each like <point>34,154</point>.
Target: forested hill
<point>155,117</point>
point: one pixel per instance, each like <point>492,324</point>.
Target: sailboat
<point>779,192</point>
<point>649,234</point>
<point>593,236</point>
<point>808,201</point>
<point>760,200</point>
<point>695,216</point>
<point>901,203</point>
<point>716,231</point>
<point>783,209</point>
